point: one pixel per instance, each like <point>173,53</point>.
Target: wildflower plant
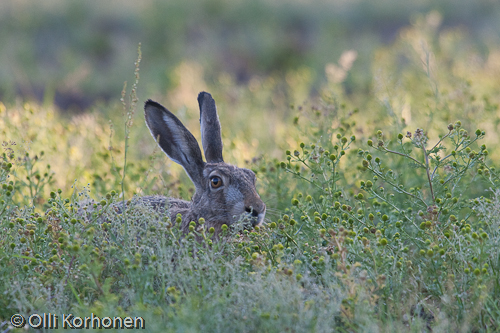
<point>395,229</point>
<point>412,223</point>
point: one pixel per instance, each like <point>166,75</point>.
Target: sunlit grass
<point>381,204</point>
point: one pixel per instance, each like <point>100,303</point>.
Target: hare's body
<point>224,194</point>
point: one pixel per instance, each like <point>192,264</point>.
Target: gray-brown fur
<point>235,199</point>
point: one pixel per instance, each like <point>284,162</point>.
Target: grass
<point>74,54</point>
<point>382,206</point>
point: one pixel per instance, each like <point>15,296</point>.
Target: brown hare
<point>224,194</point>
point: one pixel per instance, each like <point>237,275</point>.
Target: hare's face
<point>231,190</point>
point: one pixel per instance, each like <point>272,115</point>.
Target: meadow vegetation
<point>382,204</point>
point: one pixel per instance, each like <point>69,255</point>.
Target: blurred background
<point>281,72</point>
<point>74,53</point>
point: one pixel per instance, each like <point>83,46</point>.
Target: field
<point>375,148</point>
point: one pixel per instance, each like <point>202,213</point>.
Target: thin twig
<point>404,155</point>
<point>396,187</point>
<point>440,140</point>
<point>428,174</point>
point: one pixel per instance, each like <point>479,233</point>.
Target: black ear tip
<point>151,103</point>
<point>203,96</point>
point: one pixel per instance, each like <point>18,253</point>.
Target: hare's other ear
<point>175,140</point>
<point>210,128</point>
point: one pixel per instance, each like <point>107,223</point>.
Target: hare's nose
<point>252,211</point>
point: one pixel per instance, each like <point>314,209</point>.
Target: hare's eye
<point>215,182</point>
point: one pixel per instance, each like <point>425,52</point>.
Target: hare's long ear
<point>175,140</point>
<point>210,128</point>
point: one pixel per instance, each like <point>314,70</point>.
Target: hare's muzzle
<point>256,215</point>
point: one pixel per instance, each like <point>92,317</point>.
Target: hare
<point>224,194</point>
